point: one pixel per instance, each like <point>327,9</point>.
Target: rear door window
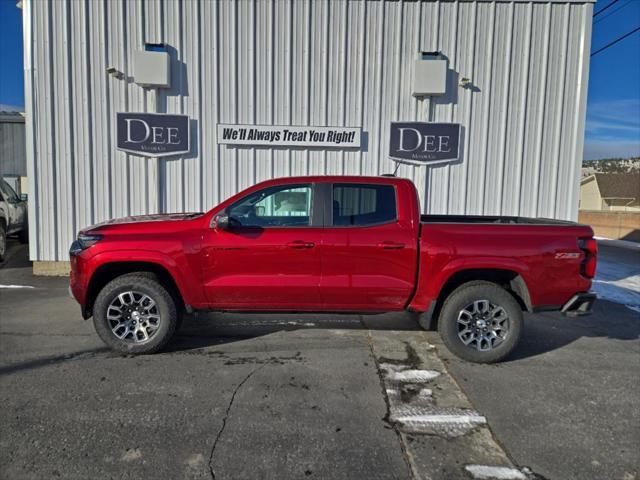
<point>362,205</point>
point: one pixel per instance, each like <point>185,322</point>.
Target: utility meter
<point>152,67</point>
<point>430,74</point>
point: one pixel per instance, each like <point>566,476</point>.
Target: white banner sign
<point>289,136</point>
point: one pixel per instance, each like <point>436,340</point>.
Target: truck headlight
<point>83,242</point>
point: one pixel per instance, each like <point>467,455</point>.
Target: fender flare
<point>145,256</point>
<point>519,284</point>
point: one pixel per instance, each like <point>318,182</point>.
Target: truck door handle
<point>300,244</point>
<point>391,245</point>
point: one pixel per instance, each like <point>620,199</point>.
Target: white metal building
<point>516,83</point>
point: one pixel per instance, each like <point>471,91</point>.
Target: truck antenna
<point>394,171</point>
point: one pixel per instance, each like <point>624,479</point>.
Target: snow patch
<point>412,408</point>
<point>433,420</point>
<point>131,455</point>
<point>425,393</point>
<point>616,292</point>
<point>487,472</point>
<point>395,373</point>
<point>195,460</point>
<point>618,282</point>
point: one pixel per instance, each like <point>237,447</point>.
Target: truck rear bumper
<point>579,304</point>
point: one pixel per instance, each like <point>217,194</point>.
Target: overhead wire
<point>612,12</point>
<point>619,39</point>
<point>605,7</point>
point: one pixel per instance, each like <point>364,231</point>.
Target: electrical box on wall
<point>429,74</point>
<point>152,67</point>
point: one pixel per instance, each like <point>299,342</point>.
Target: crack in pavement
<point>226,416</point>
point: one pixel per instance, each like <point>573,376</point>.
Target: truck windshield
<point>8,193</point>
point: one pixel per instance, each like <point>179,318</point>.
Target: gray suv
<point>13,217</point>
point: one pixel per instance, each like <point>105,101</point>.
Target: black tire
<point>23,236</point>
<point>465,296</point>
<point>146,284</point>
<point>175,295</point>
<point>3,241</point>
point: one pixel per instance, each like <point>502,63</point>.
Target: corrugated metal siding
<point>13,156</point>
<point>302,62</point>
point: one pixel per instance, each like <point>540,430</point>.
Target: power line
<point>604,8</point>
<point>610,44</point>
<point>612,12</point>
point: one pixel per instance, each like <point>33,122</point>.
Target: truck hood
<point>160,217</point>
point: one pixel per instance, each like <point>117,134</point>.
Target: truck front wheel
<point>135,314</point>
<point>480,322</point>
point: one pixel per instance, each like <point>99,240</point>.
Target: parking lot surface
<point>308,396</point>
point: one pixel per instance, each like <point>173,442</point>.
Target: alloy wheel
<point>133,317</point>
<point>483,325</point>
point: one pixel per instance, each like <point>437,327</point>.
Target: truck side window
<point>281,206</point>
<point>361,205</point>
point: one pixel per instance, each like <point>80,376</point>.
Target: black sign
<point>153,134</point>
<point>424,143</point>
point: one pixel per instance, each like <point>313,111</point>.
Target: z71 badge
<point>567,255</point>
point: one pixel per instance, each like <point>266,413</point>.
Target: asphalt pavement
<point>309,396</point>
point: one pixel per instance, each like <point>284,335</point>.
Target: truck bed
<point>492,219</point>
<point>545,253</point>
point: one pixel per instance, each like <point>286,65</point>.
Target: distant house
<point>610,191</point>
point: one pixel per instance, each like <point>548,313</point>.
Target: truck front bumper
<point>579,304</point>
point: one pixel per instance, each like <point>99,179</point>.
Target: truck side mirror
<point>221,222</point>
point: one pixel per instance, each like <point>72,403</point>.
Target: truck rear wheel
<point>480,322</point>
<point>135,314</point>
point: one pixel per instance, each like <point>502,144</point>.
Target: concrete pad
<point>446,433</point>
<point>52,269</point>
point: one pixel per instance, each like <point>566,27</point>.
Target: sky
<point>613,108</point>
<point>11,67</point>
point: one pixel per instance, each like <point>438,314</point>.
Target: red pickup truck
<point>332,244</point>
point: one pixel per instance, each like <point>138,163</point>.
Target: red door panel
<point>263,269</point>
<point>368,268</point>
<point>369,249</point>
<point>266,258</point>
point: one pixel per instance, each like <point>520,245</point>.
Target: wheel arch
<point>109,271</point>
<point>511,280</point>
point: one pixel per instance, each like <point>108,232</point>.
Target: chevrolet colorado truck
<point>332,244</point>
